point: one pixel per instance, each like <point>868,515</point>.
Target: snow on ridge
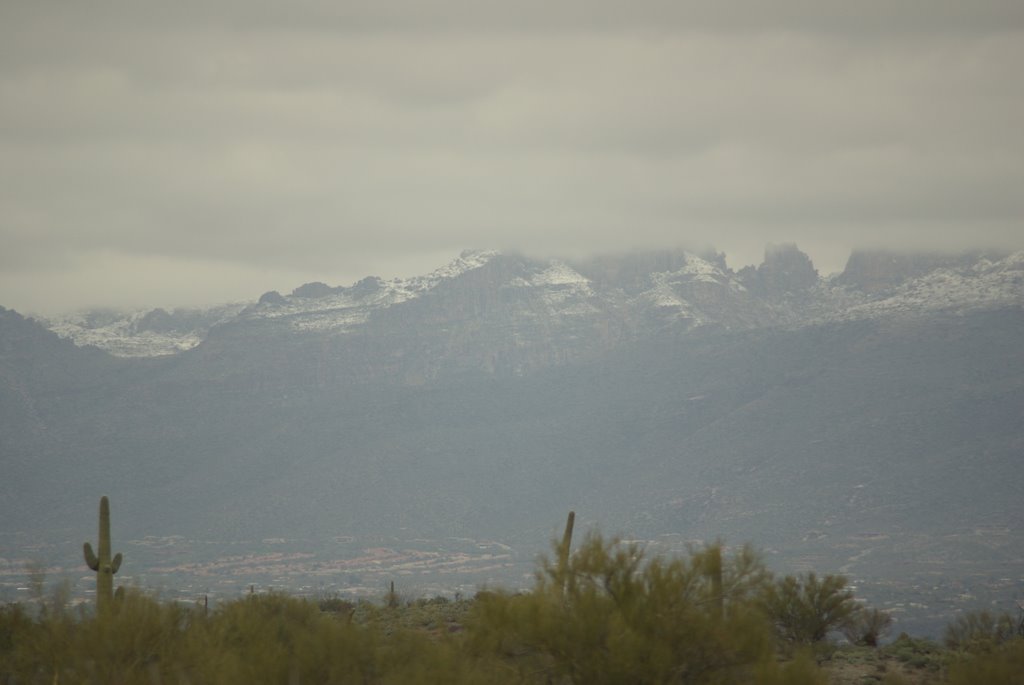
<point>145,344</point>
<point>341,311</point>
<point>983,284</point>
<point>564,290</point>
<point>467,261</point>
<point>561,285</point>
<point>700,269</point>
<point>119,333</point>
<point>1012,262</point>
<point>663,296</point>
<point>560,273</point>
<point>119,339</point>
<point>330,311</point>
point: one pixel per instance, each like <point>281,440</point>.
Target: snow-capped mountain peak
<point>625,297</point>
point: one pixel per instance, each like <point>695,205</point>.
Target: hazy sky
<point>184,152</point>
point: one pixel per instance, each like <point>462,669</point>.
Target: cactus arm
<point>115,563</point>
<point>90,557</point>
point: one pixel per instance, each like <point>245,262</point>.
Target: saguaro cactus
<point>102,564</point>
<point>563,552</point>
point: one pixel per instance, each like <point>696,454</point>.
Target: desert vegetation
<point>604,613</point>
<point>608,616</point>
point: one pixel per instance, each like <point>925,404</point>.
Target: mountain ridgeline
<point>868,421</point>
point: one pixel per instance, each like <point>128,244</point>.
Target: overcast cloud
<point>181,153</point>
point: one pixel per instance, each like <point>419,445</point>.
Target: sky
<point>184,153</point>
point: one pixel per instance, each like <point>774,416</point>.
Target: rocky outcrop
<point>785,271</point>
<point>875,271</point>
<point>315,289</point>
<point>158,321</point>
<point>272,298</point>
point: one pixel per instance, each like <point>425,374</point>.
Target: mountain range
<point>627,297</point>
<point>870,422</point>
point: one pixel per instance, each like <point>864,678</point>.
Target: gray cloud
<point>221,149</point>
<point>867,16</point>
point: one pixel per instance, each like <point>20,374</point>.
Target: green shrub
<point>276,638</point>
<point>980,631</point>
<point>1002,665</point>
<point>805,609</point>
<point>867,626</point>
<point>334,604</point>
<point>608,615</point>
<point>918,653</point>
<point>16,629</point>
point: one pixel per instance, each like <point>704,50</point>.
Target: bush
<point>333,604</point>
<point>276,638</point>
<point>1003,665</point>
<point>16,629</point>
<point>919,653</point>
<point>979,631</point>
<point>123,646</point>
<point>867,626</point>
<point>611,616</point>
<point>804,610</point>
